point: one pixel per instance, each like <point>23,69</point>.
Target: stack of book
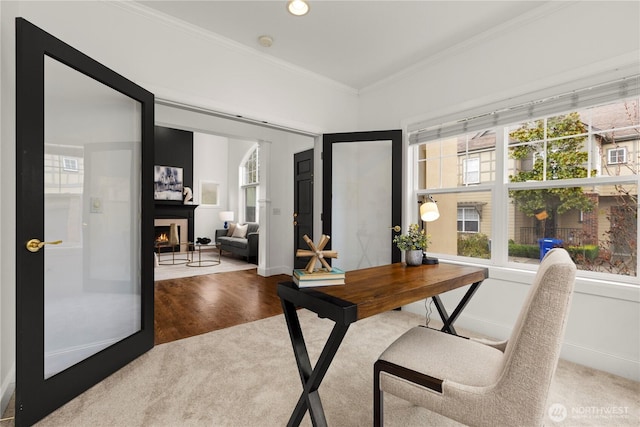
<point>320,277</point>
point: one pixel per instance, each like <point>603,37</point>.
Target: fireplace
<point>161,234</point>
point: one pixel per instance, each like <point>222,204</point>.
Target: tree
<point>564,158</point>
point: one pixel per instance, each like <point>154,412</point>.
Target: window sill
<point>584,285</point>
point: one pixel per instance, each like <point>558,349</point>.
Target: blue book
<point>320,274</point>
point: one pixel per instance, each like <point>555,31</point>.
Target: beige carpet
<point>227,263</point>
<point>246,376</point>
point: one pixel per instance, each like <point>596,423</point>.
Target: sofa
<point>240,243</point>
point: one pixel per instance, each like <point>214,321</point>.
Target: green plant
<point>557,150</point>
<point>474,245</point>
<point>414,239</point>
<point>580,254</point>
<point>524,251</point>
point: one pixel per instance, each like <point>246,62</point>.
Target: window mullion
<point>500,200</point>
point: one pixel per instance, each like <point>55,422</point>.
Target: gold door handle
<point>34,245</point>
<point>396,228</point>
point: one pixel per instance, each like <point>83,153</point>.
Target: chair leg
<point>378,403</point>
<point>424,380</point>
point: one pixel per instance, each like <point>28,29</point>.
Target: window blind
<point>577,99</point>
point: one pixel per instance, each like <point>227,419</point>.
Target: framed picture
<point>209,193</point>
<point>168,183</point>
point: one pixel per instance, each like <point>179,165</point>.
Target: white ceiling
<point>357,43</point>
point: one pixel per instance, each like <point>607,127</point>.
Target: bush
<point>586,252</point>
<point>474,245</point>
<point>524,251</point>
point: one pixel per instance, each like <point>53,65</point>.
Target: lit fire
<point>162,238</point>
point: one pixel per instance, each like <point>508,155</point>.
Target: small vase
<point>413,257</point>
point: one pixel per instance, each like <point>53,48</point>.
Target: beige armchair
<point>482,383</point>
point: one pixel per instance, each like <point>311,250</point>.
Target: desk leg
<point>448,320</point>
<point>311,379</point>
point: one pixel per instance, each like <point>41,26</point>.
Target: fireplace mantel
<point>177,210</point>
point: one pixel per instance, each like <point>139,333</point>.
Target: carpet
<point>227,263</point>
<point>246,376</point>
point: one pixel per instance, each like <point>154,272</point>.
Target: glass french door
<point>362,186</point>
<point>84,277</point>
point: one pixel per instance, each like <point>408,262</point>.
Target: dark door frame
<point>395,136</point>
<point>35,396</point>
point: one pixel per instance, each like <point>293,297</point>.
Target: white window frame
<point>464,219</point>
<point>469,171</point>
<point>246,182</point>
<point>617,151</point>
<point>70,164</point>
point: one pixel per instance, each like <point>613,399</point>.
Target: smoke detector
<point>265,41</point>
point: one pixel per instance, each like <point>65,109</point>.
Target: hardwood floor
<point>195,305</point>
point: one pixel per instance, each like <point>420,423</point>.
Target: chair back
<point>533,350</point>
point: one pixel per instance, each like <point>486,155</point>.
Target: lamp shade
<point>226,216</point>
<point>429,211</point>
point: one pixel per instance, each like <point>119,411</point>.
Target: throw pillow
<point>240,231</point>
<point>232,227</point>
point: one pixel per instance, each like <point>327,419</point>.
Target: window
<point>473,155</point>
<point>250,172</point>
<point>568,173</point>
<point>69,164</point>
<point>468,220</point>
<point>616,156</point>
<point>471,171</point>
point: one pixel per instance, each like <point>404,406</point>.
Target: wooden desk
<point>367,292</point>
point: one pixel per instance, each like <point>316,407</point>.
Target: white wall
<point>210,163</point>
<point>554,49</point>
<point>559,43</point>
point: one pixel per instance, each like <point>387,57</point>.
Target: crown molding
<point>498,31</point>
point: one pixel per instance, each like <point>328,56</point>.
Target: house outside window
<point>546,177</point>
<point>468,219</point>
<point>250,172</point>
<point>616,156</point>
<point>471,171</point>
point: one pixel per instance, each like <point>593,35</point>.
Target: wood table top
<point>375,290</point>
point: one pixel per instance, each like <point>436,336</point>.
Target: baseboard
<point>8,388</point>
<point>272,271</point>
<point>600,360</point>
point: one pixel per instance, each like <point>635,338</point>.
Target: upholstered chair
<point>482,383</point>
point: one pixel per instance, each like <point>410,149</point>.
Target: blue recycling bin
<point>547,244</point>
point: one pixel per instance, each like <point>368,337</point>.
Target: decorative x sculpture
<point>316,253</point>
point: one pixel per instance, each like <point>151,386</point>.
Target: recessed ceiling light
<point>298,7</point>
<point>265,41</point>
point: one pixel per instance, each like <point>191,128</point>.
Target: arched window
<point>250,172</point>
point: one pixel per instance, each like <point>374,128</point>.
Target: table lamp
<point>429,212</point>
<point>226,216</point>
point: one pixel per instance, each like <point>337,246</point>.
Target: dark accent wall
<point>174,147</point>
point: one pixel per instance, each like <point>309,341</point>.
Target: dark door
<point>362,196</point>
<point>302,202</point>
<point>84,222</point>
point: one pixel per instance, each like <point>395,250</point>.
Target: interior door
<point>302,202</point>
<point>362,196</point>
<point>84,228</point>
